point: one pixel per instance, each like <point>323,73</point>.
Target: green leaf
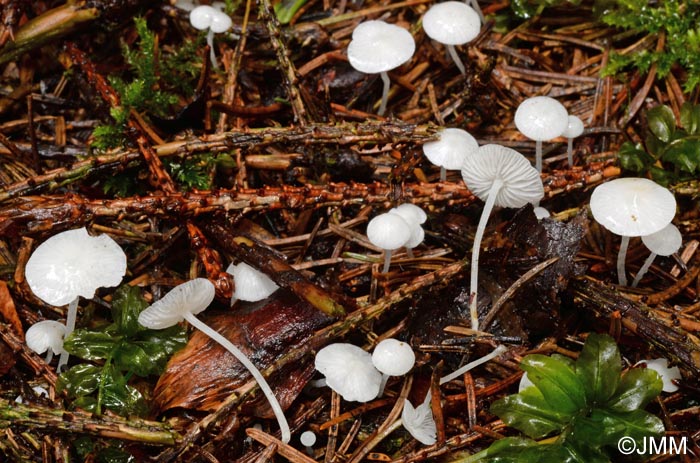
<point>286,9</point>
<point>80,380</point>
<point>127,304</point>
<point>90,345</point>
<point>605,428</point>
<point>557,382</point>
<point>662,122</point>
<point>633,157</point>
<point>598,367</point>
<point>690,118</point>
<point>684,154</point>
<point>148,353</point>
<point>637,388</point>
<point>519,450</point>
<point>530,413</point>
<point>660,176</point>
<point>655,147</point>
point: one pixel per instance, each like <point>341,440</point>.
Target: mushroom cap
<point>410,213</point>
<point>541,213</point>
<point>417,237</point>
<point>307,438</point>
<point>349,371</point>
<point>202,16</point>
<point>419,422</point>
<point>220,22</point>
<point>521,182</point>
<point>73,263</point>
<point>191,296</point>
<point>393,357</point>
<point>452,23</point>
<point>633,206</point>
<point>388,231</point>
<point>541,118</point>
<point>45,335</point>
<point>665,241</point>
<point>574,127</point>
<point>377,46</point>
<point>667,374</point>
<point>251,284</point>
<point>452,148</point>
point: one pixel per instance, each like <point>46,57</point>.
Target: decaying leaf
<point>8,312</point>
<point>203,374</point>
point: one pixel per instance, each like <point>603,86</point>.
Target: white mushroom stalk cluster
<point>452,23</point>
<point>378,47</point>
<point>72,264</point>
<point>185,301</point>
<point>450,150</point>
<point>542,118</point>
<point>632,207</point>
<point>206,17</point>
<point>502,177</point>
<point>400,227</point>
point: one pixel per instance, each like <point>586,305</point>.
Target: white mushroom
<point>541,118</point>
<point>501,177</point>
<point>450,150</point>
<point>632,207</point>
<point>72,264</point>
<point>414,217</point>
<point>662,243</point>
<point>185,301</point>
<point>388,232</point>
<point>419,421</point>
<point>251,284</point>
<point>349,371</point>
<point>46,336</point>
<point>392,358</point>
<point>216,21</point>
<point>541,213</point>
<point>573,129</point>
<point>452,23</point>
<point>379,47</point>
<point>308,439</point>
<point>667,374</point>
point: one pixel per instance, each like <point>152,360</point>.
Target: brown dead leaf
<point>8,312</point>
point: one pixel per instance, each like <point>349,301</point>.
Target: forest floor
<point>277,158</point>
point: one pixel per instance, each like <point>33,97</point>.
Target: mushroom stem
<point>70,327</point>
<point>455,57</point>
<point>475,4</point>
<point>226,344</point>
<point>409,252</point>
<point>538,155</point>
<point>570,152</point>
<point>621,255</point>
<point>480,229</point>
<point>212,56</point>
<point>385,93</point>
<point>643,270</point>
<point>460,371</point>
<point>443,174</point>
<point>49,356</point>
<point>382,385</point>
<point>387,260</point>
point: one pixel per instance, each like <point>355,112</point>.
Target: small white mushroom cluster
<point>542,118</point>
<point>400,227</point>
<point>214,20</point>
<point>636,207</point>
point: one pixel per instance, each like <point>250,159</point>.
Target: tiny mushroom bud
<point>541,118</point>
<point>667,374</point>
<point>73,264</point>
<point>250,284</point>
<point>662,243</point>
<point>632,207</point>
<point>216,21</point>
<point>379,47</point>
<point>452,23</point>
<point>392,358</point>
<point>349,371</point>
<point>388,232</point>
<point>502,177</point>
<point>185,301</point>
<point>450,150</point>
<point>46,336</point>
<point>308,439</point>
<point>573,130</point>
